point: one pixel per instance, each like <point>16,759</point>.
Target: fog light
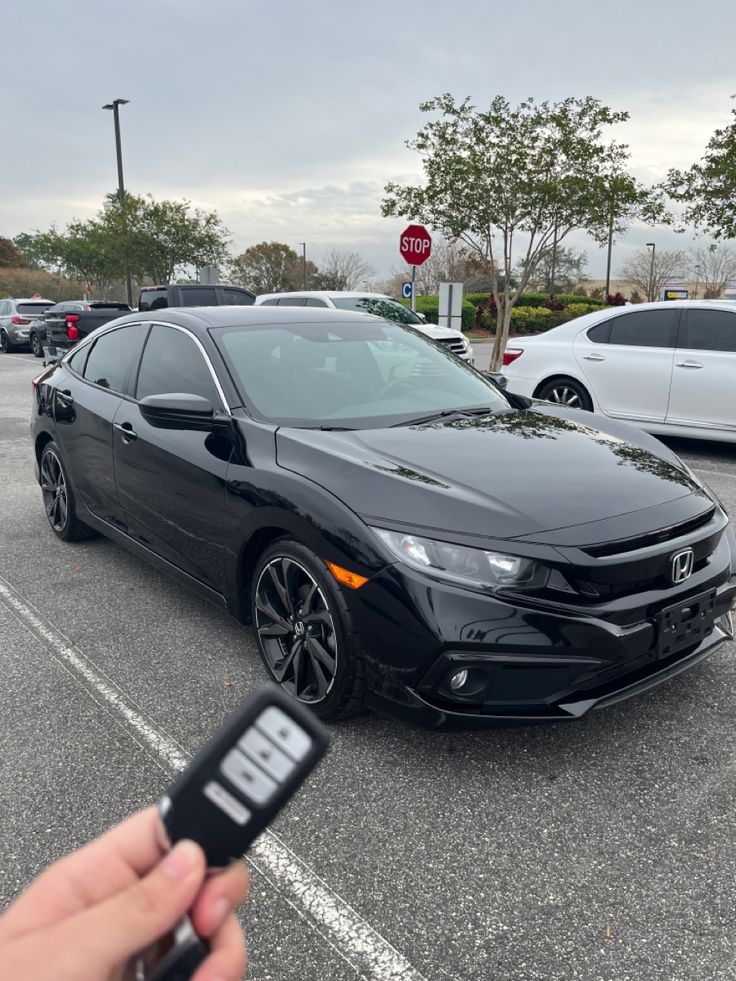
<point>459,679</point>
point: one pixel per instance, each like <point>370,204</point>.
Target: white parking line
<point>372,956</point>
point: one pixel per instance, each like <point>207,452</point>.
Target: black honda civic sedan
<point>400,532</point>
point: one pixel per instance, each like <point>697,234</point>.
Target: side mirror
<point>179,410</point>
<point>499,380</point>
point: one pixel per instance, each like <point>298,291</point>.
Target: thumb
<point>125,924</point>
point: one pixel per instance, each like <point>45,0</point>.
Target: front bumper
<point>525,663</point>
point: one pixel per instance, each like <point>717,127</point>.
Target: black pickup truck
<point>68,322</point>
<point>193,295</point>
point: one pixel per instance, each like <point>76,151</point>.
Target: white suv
<point>377,304</point>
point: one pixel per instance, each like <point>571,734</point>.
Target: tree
<point>650,279</point>
<point>558,271</point>
<point>342,270</point>
<point>513,180</point>
<point>714,266</point>
<point>708,188</point>
<point>271,267</point>
<point>10,255</point>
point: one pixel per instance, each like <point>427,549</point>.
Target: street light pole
<point>115,106</point>
<point>698,270</point>
<point>304,263</point>
<point>653,247</point>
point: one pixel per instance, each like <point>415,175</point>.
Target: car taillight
<point>511,354</point>
<point>72,331</point>
<point>19,320</point>
<point>36,380</point>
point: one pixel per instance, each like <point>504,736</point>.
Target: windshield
<point>351,375</point>
<point>379,306</point>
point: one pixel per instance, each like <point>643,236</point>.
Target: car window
<point>379,306</point>
<point>153,299</point>
<point>111,358</point>
<point>200,296</point>
<point>365,374</point>
<point>236,298</point>
<point>172,362</point>
<point>3,308</point>
<point>312,301</point>
<point>600,333</point>
<point>270,303</point>
<point>645,328</point>
<point>292,301</point>
<point>76,361</point>
<point>33,309</point>
<point>711,330</point>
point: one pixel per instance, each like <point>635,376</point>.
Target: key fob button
<point>284,732</point>
<point>268,756</point>
<point>247,777</point>
<point>226,802</point>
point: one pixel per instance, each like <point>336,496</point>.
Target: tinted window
<point>314,302</point>
<point>200,296</point>
<point>291,301</point>
<point>76,361</point>
<point>365,374</point>
<point>33,309</point>
<point>236,298</point>
<point>270,303</point>
<point>172,362</point>
<point>599,333</point>
<point>648,328</point>
<point>711,330</point>
<point>111,357</point>
<point>153,299</point>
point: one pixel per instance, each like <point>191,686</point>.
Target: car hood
<point>435,332</point>
<point>515,474</point>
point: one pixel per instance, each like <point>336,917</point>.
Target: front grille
<point>456,346</point>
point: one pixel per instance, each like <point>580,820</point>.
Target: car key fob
<point>229,793</point>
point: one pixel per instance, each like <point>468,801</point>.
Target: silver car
<point>16,319</point>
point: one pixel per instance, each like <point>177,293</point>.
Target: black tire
<point>566,391</point>
<point>36,345</point>
<point>304,633</point>
<point>58,498</point>
<point>5,343</point>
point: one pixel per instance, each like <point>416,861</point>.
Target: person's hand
<point>88,915</point>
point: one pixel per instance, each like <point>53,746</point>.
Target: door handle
<point>689,364</point>
<point>593,357</point>
<point>126,431</point>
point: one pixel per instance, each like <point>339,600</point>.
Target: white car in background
<point>377,304</point>
<point>669,368</point>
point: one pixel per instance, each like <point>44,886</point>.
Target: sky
<point>289,118</point>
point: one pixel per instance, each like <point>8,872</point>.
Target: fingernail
<point>220,911</point>
<point>181,860</point>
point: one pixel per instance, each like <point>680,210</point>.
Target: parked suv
<point>193,295</point>
<point>376,303</point>
<point>18,318</point>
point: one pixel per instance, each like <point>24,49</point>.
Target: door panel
<point>630,373</point>
<point>704,375</point>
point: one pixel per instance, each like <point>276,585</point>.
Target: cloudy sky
<point>289,118</point>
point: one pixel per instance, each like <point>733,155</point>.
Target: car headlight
<point>462,564</point>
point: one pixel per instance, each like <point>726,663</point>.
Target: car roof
<point>327,294</point>
<point>200,319</point>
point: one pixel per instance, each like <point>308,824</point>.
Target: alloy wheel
<point>37,346</point>
<point>564,395</point>
<point>53,487</point>
<point>4,342</point>
<point>296,629</point>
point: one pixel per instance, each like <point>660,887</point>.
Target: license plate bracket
<point>685,624</point>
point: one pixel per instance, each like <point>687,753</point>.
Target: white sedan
<point>666,367</point>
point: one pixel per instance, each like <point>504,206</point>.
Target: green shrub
<point>573,310</point>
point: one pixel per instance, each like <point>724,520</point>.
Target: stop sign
<point>415,245</point>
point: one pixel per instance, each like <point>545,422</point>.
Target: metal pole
<point>121,193</point>
<point>413,289</point>
<point>554,264</point>
<point>653,247</point>
<point>304,263</point>
<point>608,261</point>
<point>697,282</point>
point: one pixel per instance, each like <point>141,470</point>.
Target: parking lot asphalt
<point>596,850</point>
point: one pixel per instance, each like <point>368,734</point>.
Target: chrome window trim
<point>208,362</point>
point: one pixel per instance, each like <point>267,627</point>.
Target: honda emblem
<point>682,565</point>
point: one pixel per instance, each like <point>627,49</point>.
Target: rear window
<point>34,308</point>
<point>199,297</point>
<point>153,299</point>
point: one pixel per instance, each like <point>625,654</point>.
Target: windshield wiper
<point>479,410</point>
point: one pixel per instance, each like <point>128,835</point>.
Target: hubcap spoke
<point>278,620</point>
<point>321,654</point>
<point>280,590</point>
<point>281,667</point>
<point>306,604</point>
